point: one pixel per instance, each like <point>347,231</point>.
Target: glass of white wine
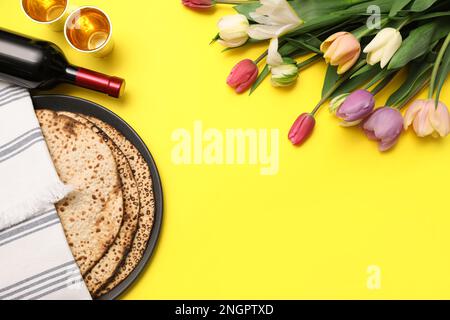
<point>89,30</point>
<point>49,12</point>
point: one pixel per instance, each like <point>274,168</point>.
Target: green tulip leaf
<point>300,43</point>
<point>333,18</point>
<point>418,74</point>
<point>246,8</point>
<point>397,6</point>
<point>422,5</point>
<point>261,77</point>
<point>320,14</point>
<point>384,79</point>
<point>356,82</point>
<point>444,71</point>
<point>306,9</point>
<point>432,16</point>
<point>287,49</point>
<point>331,78</point>
<point>364,69</point>
<point>419,84</point>
<point>313,9</point>
<point>385,73</point>
<point>308,62</point>
<point>419,42</point>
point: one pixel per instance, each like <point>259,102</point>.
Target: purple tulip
<point>385,126</point>
<point>357,106</point>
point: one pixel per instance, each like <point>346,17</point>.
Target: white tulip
<point>284,71</point>
<point>285,74</point>
<point>233,30</point>
<point>274,18</point>
<point>383,47</point>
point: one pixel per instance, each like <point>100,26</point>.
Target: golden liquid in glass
<point>44,10</point>
<point>88,29</point>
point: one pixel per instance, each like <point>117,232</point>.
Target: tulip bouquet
<point>366,44</point>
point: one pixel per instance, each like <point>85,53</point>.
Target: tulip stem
<point>404,23</point>
<point>404,103</point>
<point>382,84</point>
<point>437,64</point>
<point>336,86</point>
<point>365,30</point>
<point>259,59</point>
<point>308,62</point>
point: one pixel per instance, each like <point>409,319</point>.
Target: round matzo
<point>143,178</point>
<point>105,269</point>
<point>92,214</point>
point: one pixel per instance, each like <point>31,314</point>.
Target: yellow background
<point>336,206</point>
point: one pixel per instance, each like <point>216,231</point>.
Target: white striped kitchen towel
<point>29,182</point>
<point>35,259</point>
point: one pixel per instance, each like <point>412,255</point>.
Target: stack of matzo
<point>109,217</point>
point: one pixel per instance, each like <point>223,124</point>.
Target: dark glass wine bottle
<point>36,64</point>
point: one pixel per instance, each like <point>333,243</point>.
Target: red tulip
<point>198,4</point>
<point>243,76</point>
<point>302,129</point>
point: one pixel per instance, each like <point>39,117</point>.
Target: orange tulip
<point>342,49</point>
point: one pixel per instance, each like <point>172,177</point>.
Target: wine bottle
<point>36,64</point>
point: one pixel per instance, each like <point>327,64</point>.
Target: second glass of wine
<point>52,13</point>
<point>89,30</point>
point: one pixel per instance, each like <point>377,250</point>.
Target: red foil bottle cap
<point>112,86</point>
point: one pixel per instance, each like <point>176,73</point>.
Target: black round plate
<point>78,105</point>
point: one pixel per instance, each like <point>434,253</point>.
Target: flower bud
<point>302,128</point>
<point>198,4</point>
<point>337,102</point>
<point>383,47</point>
<point>358,106</point>
<point>243,75</point>
<point>385,126</point>
<point>285,74</point>
<point>342,49</point>
<point>233,30</point>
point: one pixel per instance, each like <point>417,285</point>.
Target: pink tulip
<point>385,126</point>
<point>427,119</point>
<point>243,75</point>
<point>302,128</point>
<point>198,4</point>
<point>342,49</point>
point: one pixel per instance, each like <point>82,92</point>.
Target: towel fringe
<point>33,203</point>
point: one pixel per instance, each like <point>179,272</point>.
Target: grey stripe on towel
<point>17,97</point>
<point>68,270</point>
<point>7,89</point>
<point>68,284</point>
<point>20,144</point>
<point>67,264</point>
<point>35,288</point>
<point>23,235</point>
<point>36,217</point>
<point>38,129</point>
<point>11,93</point>
<point>57,288</point>
<point>30,224</point>
<point>5,95</point>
